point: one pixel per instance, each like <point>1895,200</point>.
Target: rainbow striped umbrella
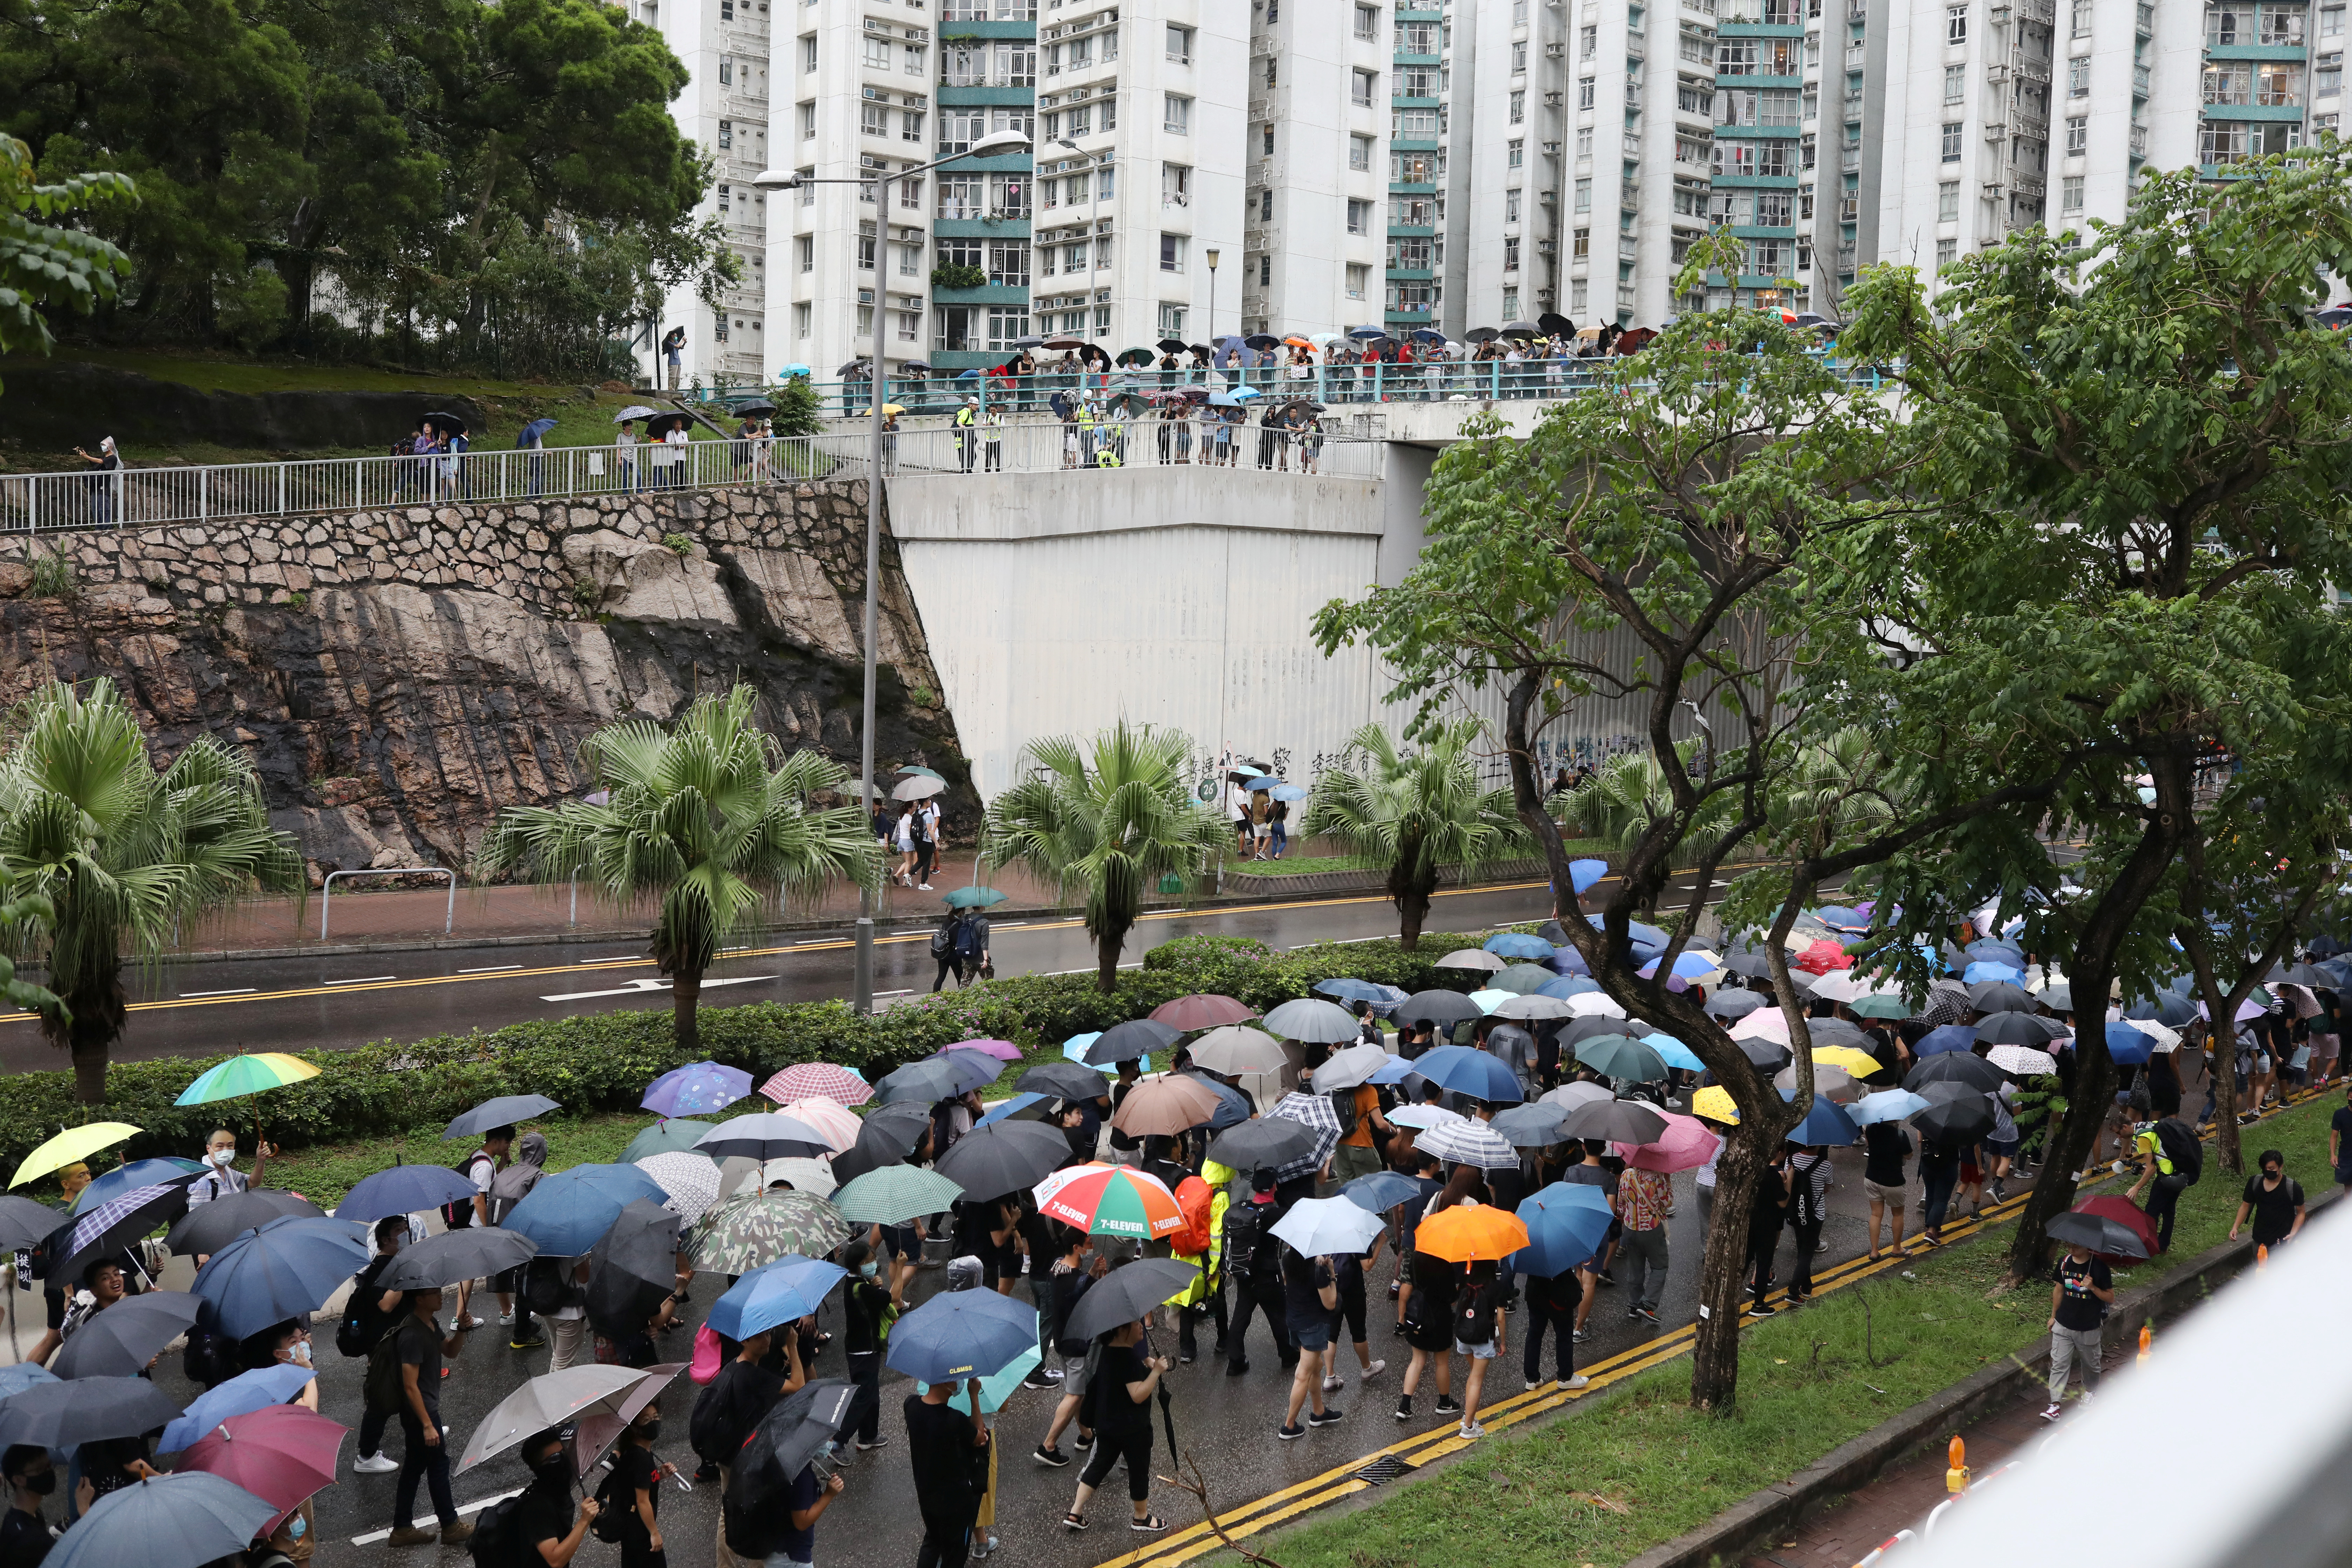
<point>1110,1200</point>
<point>242,1075</point>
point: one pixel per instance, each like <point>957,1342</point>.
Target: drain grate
<point>1386,1470</point>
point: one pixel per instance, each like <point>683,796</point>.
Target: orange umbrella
<point>1166,1106</point>
<point>1471,1233</point>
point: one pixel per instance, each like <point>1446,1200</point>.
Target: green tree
<point>125,855</point>
<point>708,817</point>
<point>1418,813</point>
<point>46,266</point>
<point>1114,818</point>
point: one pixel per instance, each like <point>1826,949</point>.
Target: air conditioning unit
<point>1556,51</point>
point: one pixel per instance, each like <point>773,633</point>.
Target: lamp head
<point>776,179</point>
<point>998,144</point>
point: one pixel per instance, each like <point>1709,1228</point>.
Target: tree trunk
<point>1411,894</point>
<point>2087,1107</point>
<point>1714,1349</point>
<point>1107,951</point>
<point>90,1059</point>
<point>685,996</point>
<point>2227,1148</point>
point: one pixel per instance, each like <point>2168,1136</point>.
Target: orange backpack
<point>1193,1197</point>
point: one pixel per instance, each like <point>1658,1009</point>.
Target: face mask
<point>300,1354</point>
<point>555,1469</point>
<point>649,1431</point>
<point>44,1484</point>
<point>223,1157</point>
<point>869,1270</point>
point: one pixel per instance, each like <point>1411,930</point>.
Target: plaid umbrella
<point>893,1195</point>
<point>756,1228</point>
<point>1467,1141</point>
<point>690,1180</point>
<point>835,1083</point>
<point>109,1225</point>
<point>1314,1113</point>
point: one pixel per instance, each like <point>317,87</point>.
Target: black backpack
<point>1474,1317</point>
<point>1249,1236</point>
<point>2182,1148</point>
<point>967,942</point>
<point>460,1215</point>
<point>211,1359</point>
<point>362,1325</point>
<point>548,1287</point>
<point>497,1541</point>
<point>1343,1106</point>
<point>612,1507</point>
<point>714,1431</point>
<point>384,1386</point>
<point>755,1531</point>
<point>1080,1283</point>
<point>943,940</point>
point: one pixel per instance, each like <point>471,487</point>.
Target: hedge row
<point>602,1062</point>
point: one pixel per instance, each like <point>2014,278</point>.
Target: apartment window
<point>1266,141</point>
<point>726,133</point>
<point>1360,218</point>
<point>808,121</point>
<point>1581,246</point>
<point>1511,254</point>
<point>808,187</point>
<point>1360,275</point>
<point>1515,154</point>
<point>1074,259</point>
<point>1956,83</point>
<point>1955,23</point>
<point>801,315</point>
<point>1175,185</point>
<point>1360,152</point>
<point>1265,203</point>
<point>1735,56</point>
<point>726,70</point>
<point>1584,93</point>
<point>2331,21</point>
<point>1416,37</point>
<point>1948,202</point>
<point>962,196</point>
<point>910,261</point>
<point>1584,195</point>
<point>873,120</point>
<point>865,253</point>
<point>1413,125</point>
<point>1588,43</point>
<point>1367,88</point>
<point>915,60</point>
<point>1179,45</point>
<point>910,125</point>
<point>1271,63</point>
<point>1176,118</point>
<point>2071,193</point>
<point>1172,319</point>
<point>876,52</point>
<point>1368,21</point>
<point>1519,107</point>
<point>2283,26</point>
<point>2078,77</point>
<point>1576,296</point>
<point>1172,253</point>
<point>2079,17</point>
<point>1511,205</point>
<point>808,53</point>
<point>1519,58</point>
<point>1265,270</point>
<point>1952,128</point>
<point>2327,79</point>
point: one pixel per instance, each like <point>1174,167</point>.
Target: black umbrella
<point>2016,1030</point>
<point>210,1226</point>
<point>789,1436</point>
<point>442,422</point>
<point>1553,932</point>
<point>23,1224</point>
<point>1752,965</point>
<point>888,1136</point>
<point>1619,1120</point>
<point>1126,1042</point>
<point>2167,1008</point>
<point>120,1341</point>
<point>1770,1055</point>
<point>659,425</point>
<point>1262,1144</point>
<point>1955,1124</point>
<point>925,1082</point>
<point>1443,1008</point>
<point>1126,1293</point>
<point>620,1304</point>
<point>758,408</point>
<point>1003,1157</point>
<point>505,1110</point>
<point>1173,346</point>
<point>1066,1080</point>
<point>1998,996</point>
<point>1954,1067</point>
<point>1555,324</point>
<point>473,1253</point>
<point>86,1410</point>
<point>1262,341</point>
<point>643,1242</point>
<point>1521,330</point>
<point>1480,335</point>
<point>2110,1238</point>
<point>1133,356</point>
<point>1579,1030</point>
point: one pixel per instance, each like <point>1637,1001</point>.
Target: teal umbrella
<point>927,773</point>
<point>663,1137</point>
<point>976,899</point>
<point>1615,1056</point>
<point>893,1195</point>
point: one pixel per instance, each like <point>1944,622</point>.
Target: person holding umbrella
<point>950,1463</point>
<point>376,1314</point>
<point>416,1351</point>
<point>2081,1290</point>
<point>545,1521</point>
<point>1122,1387</point>
<point>638,1476</point>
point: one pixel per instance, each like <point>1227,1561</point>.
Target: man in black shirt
<point>731,1408</point>
<point>378,1312</point>
<point>1311,1291</point>
<point>24,1536</point>
<point>2080,1291</point>
<point>862,1306</point>
<point>637,1490</point>
<point>1885,1146</point>
<point>546,1522</point>
<point>423,1457</point>
<point>2275,1199</point>
<point>949,1451</point>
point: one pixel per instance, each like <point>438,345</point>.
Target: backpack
<point>362,1325</point>
<point>460,1215</point>
<point>756,1531</point>
<point>967,940</point>
<point>1473,1319</point>
<point>1063,1344</point>
<point>1249,1236</point>
<point>497,1541</point>
<point>1804,1207</point>
<point>611,1508</point>
<point>2183,1149</point>
<point>211,1359</point>
<point>382,1386</point>
<point>1192,1200</point>
<point>1343,1106</point>
<point>944,942</point>
<point>715,1431</point>
<point>548,1287</point>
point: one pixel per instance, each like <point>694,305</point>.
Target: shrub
<point>54,576</point>
<point>951,274</point>
<point>678,544</point>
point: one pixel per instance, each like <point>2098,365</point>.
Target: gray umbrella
<point>1349,1068</point>
<point>789,1436</point>
<point>1619,1120</point>
<point>1135,1038</point>
<point>764,1135</point>
<point>1729,1004</point>
<point>473,1253</point>
<point>165,1521</point>
<point>120,1341</point>
<point>504,1111</point>
<point>1067,1081</point>
<point>1593,1029</point>
<point>1443,1008</point>
<point>2058,999</point>
<point>1262,1144</point>
<point>1003,1157</point>
<point>209,1228</point>
<point>1126,1293</point>
<point>642,1244</point>
<point>924,1082</point>
<point>1998,996</point>
<point>86,1410</point>
<point>23,1224</point>
<point>548,1400</point>
<point>1533,1126</point>
<point>1569,1096</point>
<point>1312,1022</point>
<point>2016,1028</point>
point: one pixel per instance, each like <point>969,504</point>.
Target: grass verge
<point>1636,1466</point>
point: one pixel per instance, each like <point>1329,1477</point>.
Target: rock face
<point>400,676</point>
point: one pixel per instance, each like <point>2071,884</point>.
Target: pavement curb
<point>1725,1539</point>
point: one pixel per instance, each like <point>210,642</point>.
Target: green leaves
<point>1418,813</point>
<point>46,266</point>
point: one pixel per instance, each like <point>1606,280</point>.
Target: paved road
<point>337,1002</point>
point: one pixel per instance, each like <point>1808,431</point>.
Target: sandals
<point>1149,1525</point>
<point>1074,1522</point>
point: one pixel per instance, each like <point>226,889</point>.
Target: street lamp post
<point>1211,254</point>
<point>1002,142</point>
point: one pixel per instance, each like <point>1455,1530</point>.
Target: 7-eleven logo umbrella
<point>1110,1200</point>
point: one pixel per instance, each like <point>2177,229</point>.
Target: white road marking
<point>375,1536</point>
<point>640,987</point>
<point>236,991</point>
<point>492,969</point>
<point>622,958</point>
<point>360,980</point>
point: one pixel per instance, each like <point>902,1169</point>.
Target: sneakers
<point>926,887</point>
<point>1576,1337</point>
<point>452,1534</point>
<point>1533,1384</point>
<point>505,1319</point>
<point>1634,1310</point>
<point>1084,1442</point>
<point>1326,1416</point>
<point>1037,1379</point>
<point>1470,1432</point>
<point>1375,1370</point>
<point>1045,1455</point>
<point>1448,1406</point>
<point>374,1465</point>
<point>1606,1279</point>
<point>409,1535</point>
<point>1648,1314</point>
<point>1235,1368</point>
<point>2052,1413</point>
<point>1760,1311</point>
<point>1334,1383</point>
<point>532,1343</point>
<point>1290,1433</point>
<point>1571,1384</point>
<point>879,1439</point>
<point>1404,1407</point>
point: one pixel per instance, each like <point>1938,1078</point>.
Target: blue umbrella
<point>1987,969</point>
<point>1242,392</point>
<point>566,1213</point>
<point>1382,1191</point>
<point>138,1173</point>
<point>1566,1225</point>
<point>2128,1045</point>
<point>697,1089</point>
<point>1568,986</point>
<point>998,1386</point>
<point>239,1395</point>
<point>1075,1048</point>
<point>287,1269</point>
<point>1824,1123</point>
<point>1472,1072</point>
<point>1396,1070</point>
<point>1674,1053</point>
<point>404,1189</point>
<point>1366,334</point>
<point>1288,792</point>
<point>967,375</point>
<point>1950,1037</point>
<point>960,1334</point>
<point>1886,1105</point>
<point>1224,400</point>
<point>1233,1107</point>
<point>1013,1106</point>
<point>23,1374</point>
<point>780,1292</point>
<point>532,432</point>
<point>1517,944</point>
<point>1690,965</point>
<point>1427,335</point>
<point>1568,961</point>
<point>1583,874</point>
<point>1383,998</point>
<point>164,1521</point>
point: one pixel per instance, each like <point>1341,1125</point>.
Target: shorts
<point>1969,1174</point>
<point>2004,1147</point>
<point>900,1241</point>
<point>1405,1263</point>
<point>1074,1378</point>
<point>1477,1352</point>
<point>1891,1196</point>
<point>1432,1337</point>
<point>1314,1335</point>
<point>1261,830</point>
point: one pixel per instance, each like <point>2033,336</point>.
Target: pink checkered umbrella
<point>839,1127</point>
<point>838,1084</point>
<point>1683,1146</point>
<point>1003,1050</point>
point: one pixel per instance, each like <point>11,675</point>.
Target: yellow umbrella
<point>1861,1064</point>
<point>1715,1103</point>
<point>72,1146</point>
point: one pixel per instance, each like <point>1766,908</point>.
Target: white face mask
<point>224,1157</point>
<point>300,1354</point>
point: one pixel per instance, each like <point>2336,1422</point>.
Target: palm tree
<point>125,855</point>
<point>1417,814</point>
<point>1114,824</point>
<point>707,816</point>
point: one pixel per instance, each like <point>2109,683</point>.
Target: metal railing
<point>1034,446</point>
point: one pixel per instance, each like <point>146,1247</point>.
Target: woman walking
<point>1122,1385</point>
<point>1809,1185</point>
<point>1764,1223</point>
<point>1478,1334</point>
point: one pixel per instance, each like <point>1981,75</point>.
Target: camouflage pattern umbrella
<point>754,1229</point>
